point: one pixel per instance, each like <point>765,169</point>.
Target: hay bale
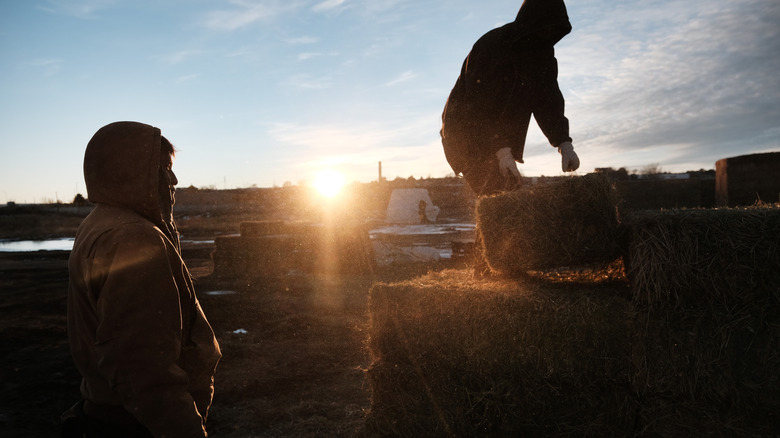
<point>569,221</point>
<point>452,356</point>
<point>274,249</point>
<point>695,352</point>
<point>705,257</point>
<point>302,230</point>
<point>706,286</point>
<point>263,228</point>
<point>704,372</point>
<point>455,356</point>
<point>241,258</point>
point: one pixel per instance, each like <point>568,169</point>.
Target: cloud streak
<point>179,57</point>
<point>308,82</point>
<point>327,5</point>
<point>303,40</point>
<point>245,13</point>
<point>356,149</point>
<point>49,67</point>
<point>404,77</point>
<point>82,9</point>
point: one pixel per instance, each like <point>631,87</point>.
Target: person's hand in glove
<point>507,164</point>
<point>569,159</point>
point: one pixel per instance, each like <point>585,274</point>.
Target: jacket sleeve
<point>139,335</point>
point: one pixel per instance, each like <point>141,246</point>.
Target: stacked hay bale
<point>706,285</point>
<point>241,258</point>
<point>567,221</point>
<point>687,258</point>
<point>454,356</point>
<point>694,349</point>
<point>274,249</point>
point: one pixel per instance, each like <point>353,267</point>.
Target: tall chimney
<point>380,172</point>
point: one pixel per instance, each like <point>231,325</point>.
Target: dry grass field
<point>294,348</point>
<point>427,349</point>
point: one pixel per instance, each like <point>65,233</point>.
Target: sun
<point>328,182</point>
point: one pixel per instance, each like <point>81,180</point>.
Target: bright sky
<point>263,92</point>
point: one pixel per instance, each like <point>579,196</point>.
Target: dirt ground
<point>294,349</point>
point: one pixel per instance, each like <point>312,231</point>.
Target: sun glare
<point>329,182</point>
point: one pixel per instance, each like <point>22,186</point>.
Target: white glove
<point>569,160</point>
<point>507,164</point>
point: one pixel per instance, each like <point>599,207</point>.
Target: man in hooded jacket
<point>138,336</point>
<point>510,74</point>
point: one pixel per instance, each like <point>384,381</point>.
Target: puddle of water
<point>197,242</point>
<point>63,244</point>
<point>220,292</point>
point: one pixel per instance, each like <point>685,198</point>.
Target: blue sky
<point>259,92</point>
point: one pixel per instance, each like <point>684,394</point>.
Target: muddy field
<point>294,348</point>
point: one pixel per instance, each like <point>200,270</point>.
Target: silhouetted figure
<point>146,352</point>
<point>510,74</point>
<point>421,212</point>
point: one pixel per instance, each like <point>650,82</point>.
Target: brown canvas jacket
<point>137,332</point>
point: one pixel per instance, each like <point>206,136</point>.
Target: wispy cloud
<point>83,9</point>
<point>336,139</point>
<point>305,56</point>
<point>302,40</point>
<point>243,15</point>
<point>356,149</point>
<point>304,81</point>
<point>247,12</point>
<point>377,6</point>
<point>187,78</point>
<point>49,67</point>
<point>237,53</point>
<point>405,76</point>
<point>179,57</point>
<point>327,5</point>
<point>366,137</point>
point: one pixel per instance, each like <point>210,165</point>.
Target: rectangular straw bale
<point>238,257</point>
<point>274,249</point>
<point>705,257</point>
<point>702,372</point>
<point>262,228</point>
<point>569,221</point>
<point>274,228</point>
<point>706,286</point>
<point>453,356</point>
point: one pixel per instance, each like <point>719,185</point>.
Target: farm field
<point>363,355</point>
<point>294,350</point>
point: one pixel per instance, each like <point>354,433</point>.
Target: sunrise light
<point>329,182</point>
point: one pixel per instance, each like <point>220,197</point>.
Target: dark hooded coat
<point>137,333</point>
<point>510,74</point>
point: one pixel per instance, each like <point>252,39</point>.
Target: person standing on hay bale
<point>138,336</point>
<point>510,74</point>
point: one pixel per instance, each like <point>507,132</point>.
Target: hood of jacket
<point>122,168</point>
<point>545,20</point>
